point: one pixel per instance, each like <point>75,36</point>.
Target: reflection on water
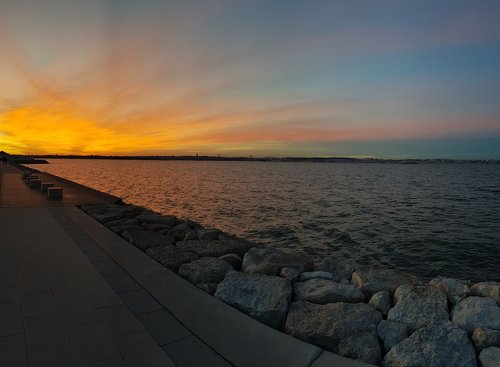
<point>428,219</point>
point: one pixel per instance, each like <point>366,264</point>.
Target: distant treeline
<point>271,159</point>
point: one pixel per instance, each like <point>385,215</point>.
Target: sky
<point>360,78</point>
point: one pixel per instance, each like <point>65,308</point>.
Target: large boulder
<point>474,312</point>
<point>146,239</point>
<point>209,248</point>
<point>487,289</point>
<point>264,298</point>
<point>391,333</point>
<point>436,345</point>
<point>418,306</point>
<point>291,274</point>
<point>232,259</point>
<point>340,269</point>
<point>171,257</point>
<point>205,270</point>
<point>484,338</point>
<point>371,279</point>
<point>455,289</point>
<point>120,228</point>
<point>382,302</point>
<point>208,234</point>
<point>308,275</point>
<point>105,213</point>
<point>270,261</point>
<point>490,357</point>
<point>149,218</point>
<point>323,291</point>
<point>335,327</point>
<point>181,230</point>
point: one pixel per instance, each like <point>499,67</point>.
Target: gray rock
<point>232,259</point>
<point>323,291</point>
<point>419,306</point>
<point>240,245</point>
<point>455,289</point>
<point>209,288</point>
<point>487,289</point>
<point>371,279</point>
<point>181,230</point>
<point>171,257</point>
<point>208,234</point>
<point>109,212</point>
<point>205,270</point>
<point>474,312</point>
<point>436,345</point>
<point>190,236</point>
<point>156,227</point>
<point>308,275</point>
<point>363,346</point>
<point>490,357</point>
<point>340,269</point>
<point>146,239</point>
<point>209,248</point>
<point>155,218</point>
<point>381,301</point>
<point>333,326</point>
<point>484,338</point>
<point>120,228</point>
<point>291,274</point>
<point>264,298</point>
<point>270,261</point>
<point>122,221</point>
<point>391,333</point>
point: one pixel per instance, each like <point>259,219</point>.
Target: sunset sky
<point>386,78</point>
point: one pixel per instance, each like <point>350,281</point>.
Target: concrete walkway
<point>73,293</point>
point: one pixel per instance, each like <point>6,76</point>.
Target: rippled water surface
<point>427,219</point>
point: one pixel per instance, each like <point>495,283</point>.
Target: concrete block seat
<point>31,177</point>
<point>54,192</point>
<point>35,183</point>
<point>45,185</point>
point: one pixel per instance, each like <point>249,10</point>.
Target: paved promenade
<point>73,293</point>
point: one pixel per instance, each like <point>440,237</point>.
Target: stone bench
<point>26,175</point>
<point>31,177</point>
<point>45,186</point>
<point>54,192</point>
<point>35,183</point>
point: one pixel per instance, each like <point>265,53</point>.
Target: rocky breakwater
<point>376,315</point>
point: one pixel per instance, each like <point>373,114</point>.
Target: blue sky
<point>284,78</point>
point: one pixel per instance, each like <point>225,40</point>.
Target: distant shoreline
<point>272,159</point>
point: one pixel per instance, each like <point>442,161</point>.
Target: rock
<point>209,288</point>
<point>156,227</point>
<point>371,279</point>
<point>490,357</point>
<point>323,291</point>
<point>208,234</point>
<point>291,274</point>
<point>205,270</point>
<point>109,212</point>
<point>191,236</point>
<point>150,218</point>
<point>264,298</point>
<point>334,326</point>
<point>171,257</point>
<point>232,259</point>
<point>120,228</point>
<point>455,289</point>
<point>391,333</point>
<point>484,338</point>
<point>308,275</point>
<point>239,245</point>
<point>270,261</point>
<point>340,269</point>
<point>146,239</point>
<point>419,306</point>
<point>363,346</point>
<point>209,248</point>
<point>436,345</point>
<point>122,221</point>
<point>181,230</point>
<point>474,312</point>
<point>381,301</point>
<point>487,289</point>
